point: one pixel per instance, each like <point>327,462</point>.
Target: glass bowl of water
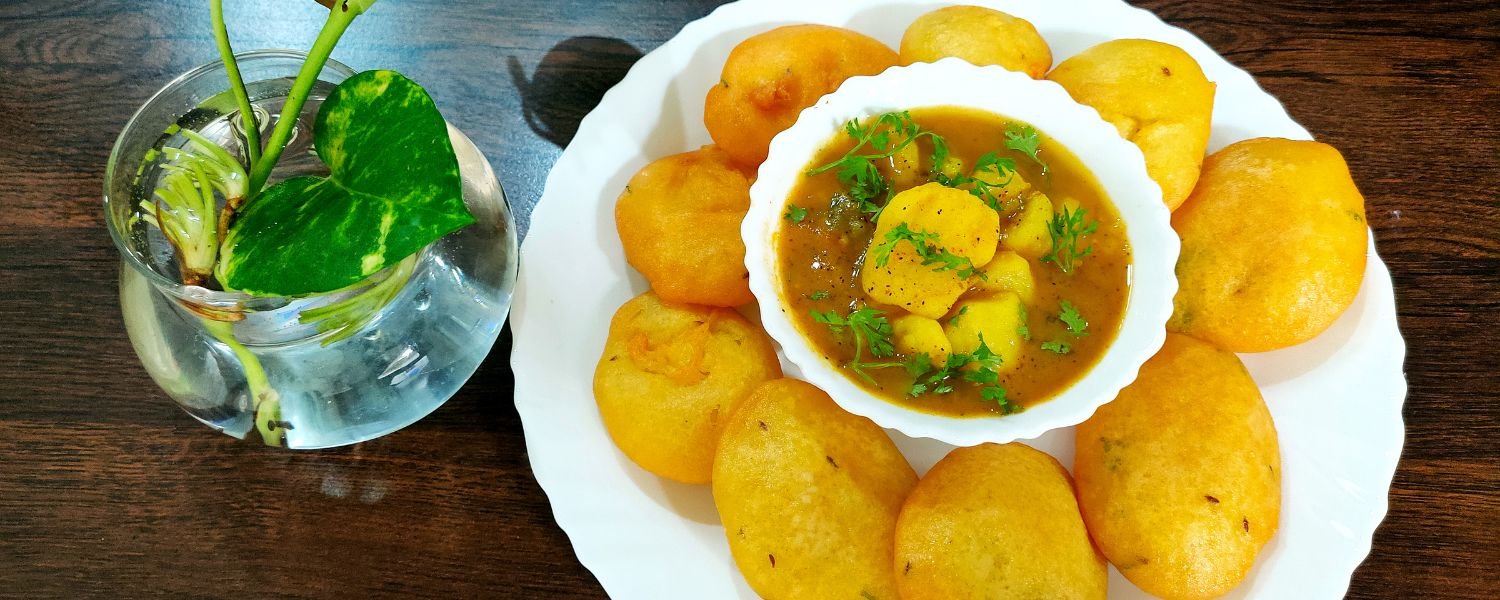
<point>341,367</point>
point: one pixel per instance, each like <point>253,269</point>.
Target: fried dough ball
<point>669,378</point>
<point>1158,98</point>
<point>1273,245</point>
<point>809,495</point>
<point>996,521</point>
<point>979,35</point>
<point>771,77</point>
<point>1179,478</point>
<point>679,220</point>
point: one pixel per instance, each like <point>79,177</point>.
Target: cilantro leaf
<point>833,320</point>
<point>918,364</point>
<point>921,240</point>
<point>985,358</point>
<point>871,331</point>
<point>997,395</point>
<point>878,139</point>
<point>1057,347</point>
<point>818,295</point>
<point>980,367</point>
<point>1000,170</point>
<point>794,213</point>
<point>1065,229</point>
<point>875,328</point>
<point>926,244</point>
<point>1024,139</point>
<point>1073,319</point>
<point>1021,329</point>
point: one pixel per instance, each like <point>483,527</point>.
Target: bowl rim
<point>1116,163</point>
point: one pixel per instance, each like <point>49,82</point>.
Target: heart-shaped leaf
<point>393,188</point>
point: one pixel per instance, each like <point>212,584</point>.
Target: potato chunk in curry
<point>920,335</point>
<point>1009,272</point>
<point>916,224</point>
<point>996,320</point>
<point>1028,236</point>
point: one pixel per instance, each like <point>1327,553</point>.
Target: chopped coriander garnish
<point>1057,347</point>
<point>936,381</point>
<point>1065,229</point>
<point>987,364</point>
<point>1073,319</point>
<point>1024,139</point>
<point>818,295</point>
<point>985,373</point>
<point>871,329</point>
<point>795,213</point>
<point>996,394</point>
<point>961,311</point>
<point>918,364</point>
<point>989,163</point>
<point>999,167</point>
<point>920,239</point>
<point>1021,329</point>
<point>926,244</point>
<point>881,139</point>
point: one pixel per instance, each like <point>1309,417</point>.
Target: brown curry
<point>954,303</point>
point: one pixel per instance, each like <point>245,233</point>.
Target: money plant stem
<point>248,121</point>
<point>266,401</point>
<point>339,18</point>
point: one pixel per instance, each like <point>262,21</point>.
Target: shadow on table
<point>568,83</point>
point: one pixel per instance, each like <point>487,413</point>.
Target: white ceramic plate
<point>1336,399</point>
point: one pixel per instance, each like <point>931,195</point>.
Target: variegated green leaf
<point>393,188</point>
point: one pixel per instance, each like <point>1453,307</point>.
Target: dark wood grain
<point>106,490</point>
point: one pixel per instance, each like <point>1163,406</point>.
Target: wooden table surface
<point>107,489</point>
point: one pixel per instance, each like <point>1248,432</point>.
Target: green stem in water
<point>266,401</point>
<point>345,318</point>
<point>339,18</point>
<point>236,84</point>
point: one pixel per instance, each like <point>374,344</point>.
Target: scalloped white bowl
<point>1115,162</point>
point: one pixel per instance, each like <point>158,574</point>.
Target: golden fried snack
<point>1179,478</point>
<point>679,220</point>
<point>979,35</point>
<point>809,495</point>
<point>669,378</point>
<point>771,77</point>
<point>995,521</point>
<point>1273,245</point>
<point>1157,96</point>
